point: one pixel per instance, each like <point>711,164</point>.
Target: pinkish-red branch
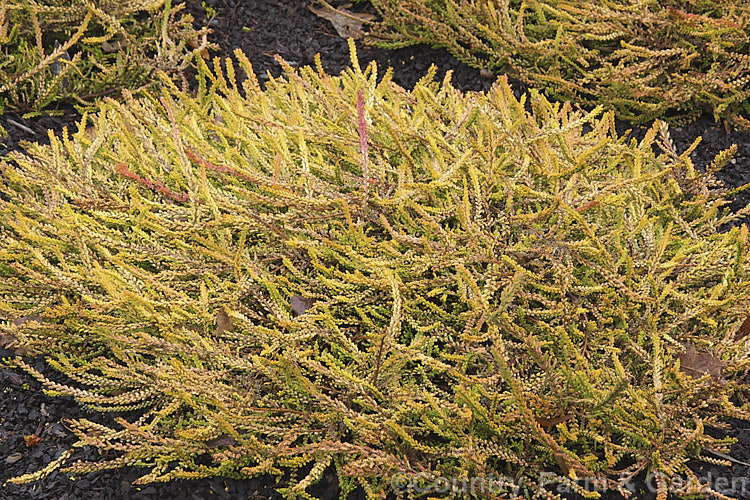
<point>229,170</point>
<point>157,186</point>
<point>205,163</point>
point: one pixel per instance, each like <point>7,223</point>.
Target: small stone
<point>486,74</point>
<point>13,458</point>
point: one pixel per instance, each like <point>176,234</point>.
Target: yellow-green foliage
<point>644,59</point>
<point>78,50</point>
<point>488,290</point>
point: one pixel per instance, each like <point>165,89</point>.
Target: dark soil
<point>263,28</point>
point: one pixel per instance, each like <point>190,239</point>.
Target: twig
<point>22,127</point>
<point>726,457</point>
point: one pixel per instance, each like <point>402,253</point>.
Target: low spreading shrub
<point>337,272</point>
<point>644,59</point>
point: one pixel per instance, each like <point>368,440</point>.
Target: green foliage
<point>644,59</point>
<point>339,271</point>
<point>78,50</point>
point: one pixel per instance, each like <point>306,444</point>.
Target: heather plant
<point>644,59</point>
<point>335,272</point>
<point>79,50</point>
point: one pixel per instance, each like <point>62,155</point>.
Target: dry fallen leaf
<point>699,364</point>
<point>223,322</point>
<point>549,422</point>
<point>347,24</point>
<point>8,341</point>
<point>115,45</point>
<point>27,319</point>
<point>195,45</point>
<point>300,304</point>
<point>744,330</point>
<point>222,440</point>
<point>486,74</point>
<point>32,440</point>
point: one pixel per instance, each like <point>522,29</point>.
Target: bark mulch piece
<point>263,28</point>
